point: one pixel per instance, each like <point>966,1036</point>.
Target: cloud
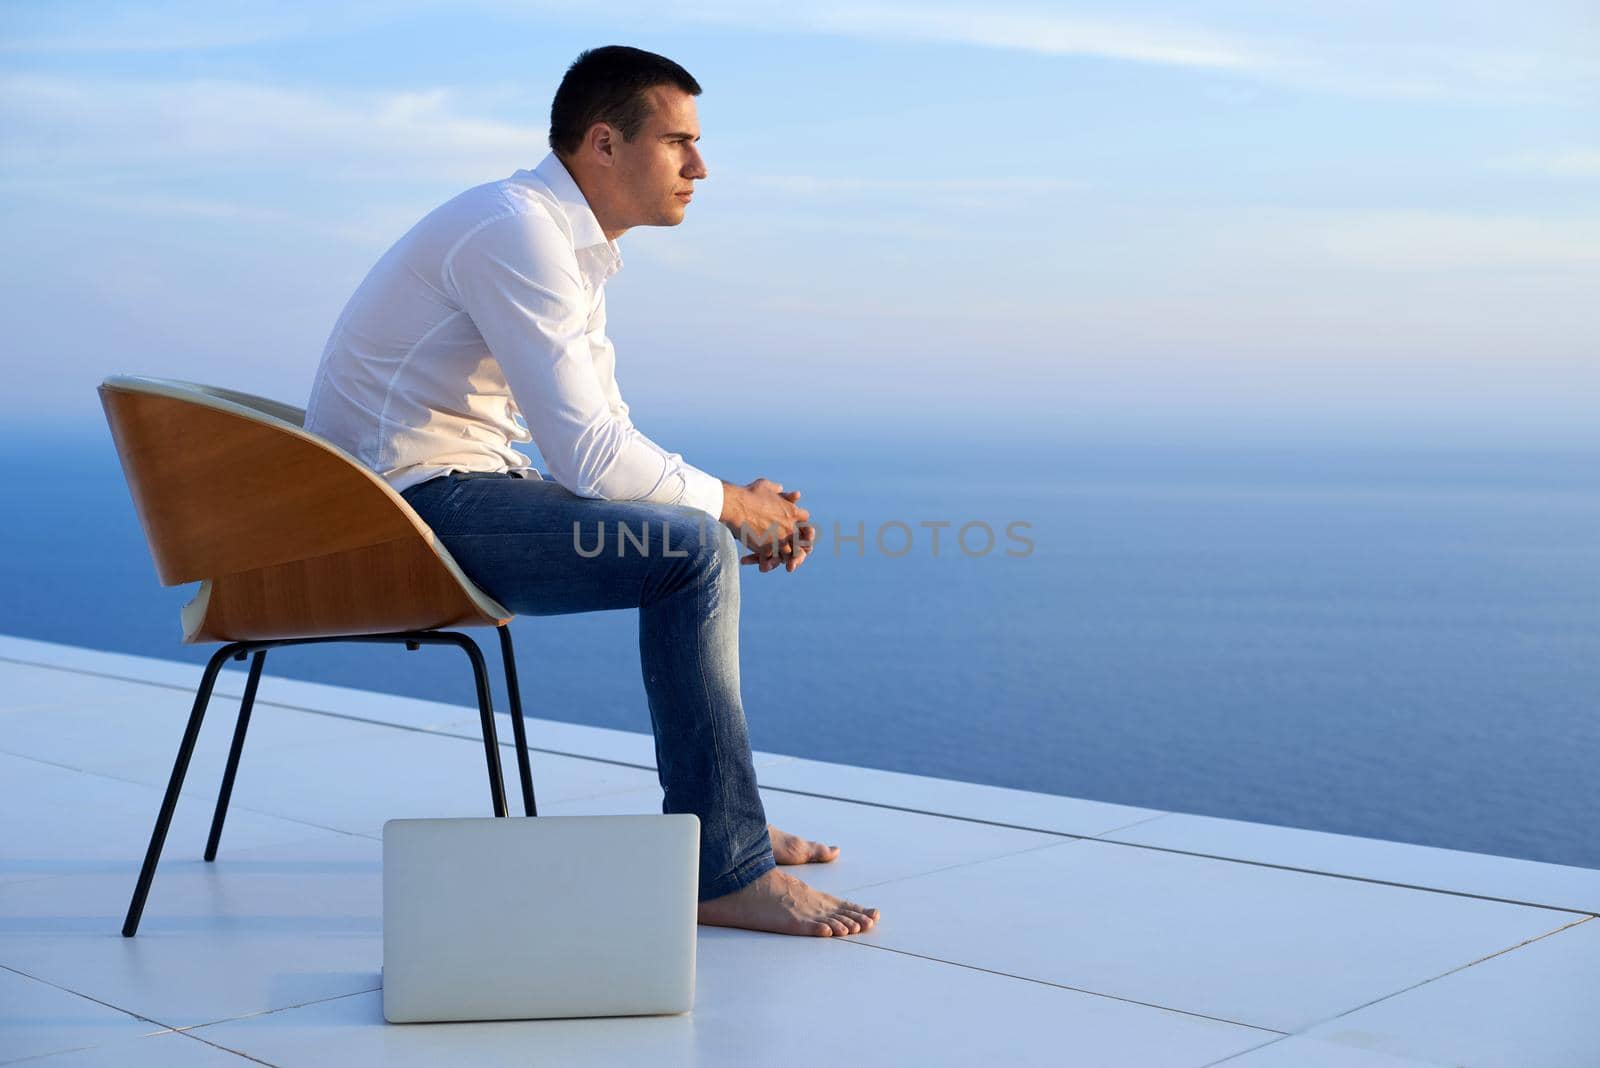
<point>1448,48</point>
<point>1042,32</point>
<point>160,37</point>
<point>965,193</point>
<point>1401,50</point>
<point>1571,163</point>
<point>137,203</point>
<point>53,125</point>
<point>198,27</point>
<point>185,25</point>
<point>831,184</point>
<point>1418,240</point>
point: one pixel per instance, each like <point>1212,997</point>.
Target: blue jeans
<point>542,551</point>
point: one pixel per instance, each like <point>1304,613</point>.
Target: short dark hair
<point>608,85</point>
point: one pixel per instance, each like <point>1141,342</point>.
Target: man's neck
<point>595,198</point>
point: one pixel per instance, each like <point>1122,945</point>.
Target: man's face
<point>658,168</point>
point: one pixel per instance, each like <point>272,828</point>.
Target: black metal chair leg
<point>519,730</point>
<point>180,768</point>
<point>239,729</point>
<point>491,743</point>
<point>202,698</point>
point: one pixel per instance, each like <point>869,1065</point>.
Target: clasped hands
<point>767,521</point>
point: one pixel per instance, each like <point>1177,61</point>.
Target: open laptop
<point>522,918</point>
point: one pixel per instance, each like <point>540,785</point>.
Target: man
<point>484,326</point>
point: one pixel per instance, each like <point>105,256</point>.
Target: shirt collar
<point>586,231</point>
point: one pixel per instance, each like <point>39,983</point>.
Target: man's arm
<point>517,278</point>
<point>605,365</point>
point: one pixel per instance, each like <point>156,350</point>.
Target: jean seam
<point>716,742</point>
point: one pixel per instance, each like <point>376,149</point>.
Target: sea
<point>1395,642</point>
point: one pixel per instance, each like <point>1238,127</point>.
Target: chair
<point>294,542</point>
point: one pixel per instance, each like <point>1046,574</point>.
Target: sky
<point>1346,223</point>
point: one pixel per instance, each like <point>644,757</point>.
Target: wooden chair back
<point>289,535</point>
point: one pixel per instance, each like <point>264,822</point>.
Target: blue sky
<point>1344,222</point>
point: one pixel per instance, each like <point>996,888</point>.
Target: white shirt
<point>482,327</point>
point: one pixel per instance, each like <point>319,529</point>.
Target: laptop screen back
<point>532,918</point>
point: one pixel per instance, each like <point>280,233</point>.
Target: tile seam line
<point>221,690</point>
<point>1304,1032</point>
<point>1446,974</point>
<point>225,1049</point>
<point>1138,823</point>
<point>232,807</point>
<point>270,1012</point>
<point>961,864</point>
<point>1568,909</point>
<point>90,997</point>
<point>1186,852</point>
<point>1064,986</point>
<point>35,1058</point>
<point>166,1029</point>
<point>1252,1049</point>
<point>875,804</point>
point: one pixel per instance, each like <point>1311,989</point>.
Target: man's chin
<point>670,217</point>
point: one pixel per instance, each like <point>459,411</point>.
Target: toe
<point>869,913</point>
<point>792,849</point>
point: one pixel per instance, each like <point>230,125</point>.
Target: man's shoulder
<point>503,222</point>
<point>504,201</point>
<point>507,223</point>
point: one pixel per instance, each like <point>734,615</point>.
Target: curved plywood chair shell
<point>289,535</point>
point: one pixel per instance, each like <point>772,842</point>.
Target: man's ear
<point>601,144</point>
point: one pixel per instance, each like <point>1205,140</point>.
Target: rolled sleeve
<point>517,278</point>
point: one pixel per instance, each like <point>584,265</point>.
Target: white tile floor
<point>1018,928</point>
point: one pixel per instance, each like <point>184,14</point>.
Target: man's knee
<point>699,541</point>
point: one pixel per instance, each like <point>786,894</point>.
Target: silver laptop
<point>531,918</point>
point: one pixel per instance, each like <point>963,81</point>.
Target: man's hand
<point>768,521</point>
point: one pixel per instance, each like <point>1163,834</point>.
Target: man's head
<point>624,123</point>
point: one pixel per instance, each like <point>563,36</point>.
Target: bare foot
<point>792,849</point>
<point>781,903</point>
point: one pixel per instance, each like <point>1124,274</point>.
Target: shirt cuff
<point>702,491</point>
